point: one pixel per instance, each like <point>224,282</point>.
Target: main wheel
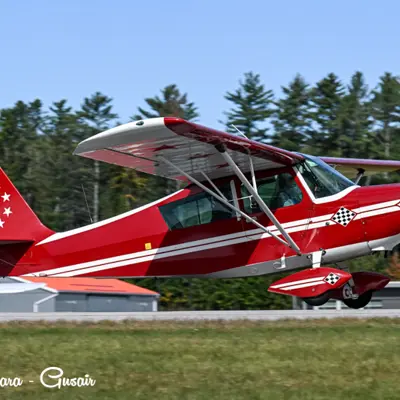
<point>317,300</point>
<point>361,302</point>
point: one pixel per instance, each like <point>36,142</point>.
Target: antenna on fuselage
<point>87,205</point>
<point>240,131</point>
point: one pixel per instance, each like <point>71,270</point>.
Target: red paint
<point>367,280</point>
<point>364,281</point>
<point>299,284</point>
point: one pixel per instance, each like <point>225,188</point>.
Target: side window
<point>198,209</point>
<point>276,191</point>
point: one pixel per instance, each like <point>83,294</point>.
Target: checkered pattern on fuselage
<point>344,216</point>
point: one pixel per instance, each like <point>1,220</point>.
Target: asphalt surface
<point>270,315</point>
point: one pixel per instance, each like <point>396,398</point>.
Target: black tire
<point>361,302</point>
<point>317,300</point>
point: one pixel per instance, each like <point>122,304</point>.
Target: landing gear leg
<point>316,258</point>
<point>320,300</point>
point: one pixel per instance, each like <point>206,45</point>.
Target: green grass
<point>341,359</point>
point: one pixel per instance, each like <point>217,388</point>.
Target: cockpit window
<point>198,209</point>
<point>322,179</point>
<point>276,191</point>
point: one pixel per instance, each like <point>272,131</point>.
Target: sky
<point>130,50</point>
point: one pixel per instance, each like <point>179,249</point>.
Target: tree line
<point>329,117</point>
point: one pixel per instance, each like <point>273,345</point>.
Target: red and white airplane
<point>249,209</point>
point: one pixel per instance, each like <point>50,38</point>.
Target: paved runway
<point>272,315</point>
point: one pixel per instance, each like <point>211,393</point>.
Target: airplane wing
<point>189,146</point>
<point>350,167</point>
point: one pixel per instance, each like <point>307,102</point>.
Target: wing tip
<point>178,125</point>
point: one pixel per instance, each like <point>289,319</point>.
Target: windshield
<point>322,179</point>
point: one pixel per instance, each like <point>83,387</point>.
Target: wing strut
<point>359,175</point>
<point>253,176</point>
<point>229,205</point>
<point>213,185</point>
<point>258,199</point>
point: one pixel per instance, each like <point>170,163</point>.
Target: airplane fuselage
<point>142,243</point>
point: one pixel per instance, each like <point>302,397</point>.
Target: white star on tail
<point>1,223</point>
<point>6,197</point>
<point>7,211</point>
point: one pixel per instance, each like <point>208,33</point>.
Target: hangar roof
<point>91,285</point>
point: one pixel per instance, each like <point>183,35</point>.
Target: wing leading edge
<point>188,145</point>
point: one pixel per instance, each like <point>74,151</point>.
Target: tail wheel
<point>361,302</point>
<point>317,300</point>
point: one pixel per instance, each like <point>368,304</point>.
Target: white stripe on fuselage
<point>379,211</point>
<point>170,251</point>
<point>210,243</point>
<point>376,206</point>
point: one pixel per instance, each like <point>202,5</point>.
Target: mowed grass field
<point>340,359</point>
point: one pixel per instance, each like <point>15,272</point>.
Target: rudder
<point>18,222</point>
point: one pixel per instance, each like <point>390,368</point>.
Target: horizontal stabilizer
<point>310,282</point>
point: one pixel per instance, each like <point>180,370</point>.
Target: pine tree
<point>327,96</point>
<point>65,203</point>
<point>172,104</point>
<point>386,112</point>
<point>355,122</point>
<point>251,107</point>
<point>292,120</point>
<point>97,112</point>
<point>20,127</point>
